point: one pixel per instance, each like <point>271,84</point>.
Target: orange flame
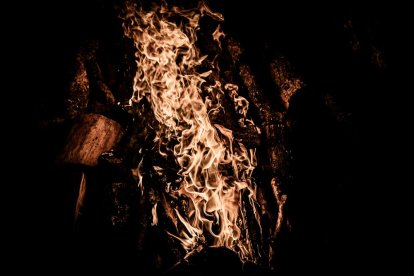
<point>81,196</point>
<point>215,170</point>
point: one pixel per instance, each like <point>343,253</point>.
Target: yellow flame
<point>137,174</point>
<point>215,170</point>
<point>154,215</point>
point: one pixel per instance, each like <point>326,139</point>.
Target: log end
<point>91,136</point>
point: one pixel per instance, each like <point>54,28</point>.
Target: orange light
<point>215,168</point>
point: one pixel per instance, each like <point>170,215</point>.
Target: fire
<point>214,169</point>
<point>81,196</point>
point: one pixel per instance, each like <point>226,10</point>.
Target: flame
<point>154,215</point>
<point>217,34</point>
<point>81,197</point>
<point>137,174</point>
<point>214,169</point>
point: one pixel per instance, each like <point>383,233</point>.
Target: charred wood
<point>274,132</point>
<point>90,136</point>
<point>87,86</point>
<point>285,79</point>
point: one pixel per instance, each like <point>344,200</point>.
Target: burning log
<point>123,196</point>
<point>87,86</point>
<point>274,130</point>
<point>285,79</point>
<point>256,95</point>
<point>249,136</point>
<point>90,136</point>
<point>273,123</point>
<point>78,96</point>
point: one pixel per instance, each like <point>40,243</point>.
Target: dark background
<point>345,179</point>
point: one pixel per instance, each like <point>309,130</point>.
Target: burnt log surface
<point>90,136</point>
<point>336,201</point>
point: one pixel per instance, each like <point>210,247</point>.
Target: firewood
<point>89,137</point>
<point>248,135</point>
<point>88,85</point>
<point>274,129</point>
<point>78,95</point>
<point>256,95</point>
<point>285,79</point>
<point>272,121</point>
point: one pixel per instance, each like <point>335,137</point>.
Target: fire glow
<point>215,170</point>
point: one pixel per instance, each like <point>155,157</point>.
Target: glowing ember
<point>214,169</point>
